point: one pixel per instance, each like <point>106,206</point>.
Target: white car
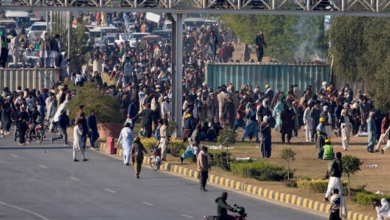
<point>134,36</point>
<point>36,29</point>
<point>121,38</point>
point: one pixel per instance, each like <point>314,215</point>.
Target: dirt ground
<point>306,164</point>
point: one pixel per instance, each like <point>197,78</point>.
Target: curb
<point>254,190</point>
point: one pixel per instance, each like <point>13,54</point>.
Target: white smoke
<point>307,50</point>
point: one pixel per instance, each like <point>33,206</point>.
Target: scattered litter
<point>45,151</point>
<point>372,166</point>
<point>362,134</point>
<point>220,148</point>
<point>379,193</point>
<point>244,159</point>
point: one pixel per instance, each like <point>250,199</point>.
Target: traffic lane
<point>165,191</point>
<point>57,193</point>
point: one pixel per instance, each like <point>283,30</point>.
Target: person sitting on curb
<point>327,151</point>
<point>191,151</point>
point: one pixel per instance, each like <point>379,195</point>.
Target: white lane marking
<point>187,216</point>
<point>25,210</point>
<point>14,155</point>
<point>149,204</point>
<point>74,178</point>
<point>109,190</point>
<point>43,167</point>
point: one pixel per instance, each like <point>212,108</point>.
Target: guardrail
<point>32,78</point>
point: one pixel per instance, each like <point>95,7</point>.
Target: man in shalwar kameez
<point>252,126</point>
<point>321,136</point>
<point>126,137</point>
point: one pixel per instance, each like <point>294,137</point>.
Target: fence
<point>27,78</point>
<point>278,76</point>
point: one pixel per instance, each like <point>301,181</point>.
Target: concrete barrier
<point>32,78</point>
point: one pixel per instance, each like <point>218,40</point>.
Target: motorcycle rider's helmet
<point>240,210</point>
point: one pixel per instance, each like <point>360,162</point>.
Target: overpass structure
<point>177,10</point>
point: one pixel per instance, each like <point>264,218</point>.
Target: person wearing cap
<point>321,134</point>
<point>211,134</point>
<point>372,132</point>
<point>269,94</point>
<point>165,108</point>
<point>307,121</point>
<point>356,119</point>
<point>266,139</point>
<point>260,44</point>
<point>328,120</point>
<point>335,170</point>
<point>345,125</point>
<point>137,155</point>
<point>126,137</point>
<point>77,141</point>
<point>323,90</point>
<point>327,152</point>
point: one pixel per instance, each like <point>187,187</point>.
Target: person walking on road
<point>335,169</point>
<point>137,156</point>
<point>22,125</point>
<point>203,163</point>
<point>126,137</point>
<point>92,128</point>
<point>63,122</point>
<point>163,139</point>
<point>77,141</point>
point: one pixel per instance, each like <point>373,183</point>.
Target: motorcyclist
<point>223,207</point>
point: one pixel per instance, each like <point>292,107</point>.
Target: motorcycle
<point>38,133</point>
<point>155,159</point>
<point>241,215</point>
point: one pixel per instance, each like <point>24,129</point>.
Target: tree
<point>226,138</point>
<point>360,52</point>
<point>80,46</point>
<point>351,165</point>
<point>288,155</point>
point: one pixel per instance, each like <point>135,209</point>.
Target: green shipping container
<point>278,76</point>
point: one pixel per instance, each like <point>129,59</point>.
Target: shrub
<point>367,198</point>
<point>149,142</point>
<point>172,126</point>
<point>292,184</point>
<point>106,107</point>
<point>219,158</point>
<point>175,145</point>
<point>260,171</point>
<point>316,185</point>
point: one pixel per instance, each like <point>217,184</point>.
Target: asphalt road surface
<point>41,181</point>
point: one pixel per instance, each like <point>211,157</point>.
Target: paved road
<point>42,182</point>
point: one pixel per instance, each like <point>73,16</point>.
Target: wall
<point>27,78</point>
<point>278,76</point>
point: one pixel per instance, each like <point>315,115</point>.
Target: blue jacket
<point>189,122</point>
<point>63,121</point>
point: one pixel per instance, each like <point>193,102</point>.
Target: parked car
<point>10,25</point>
<point>121,38</point>
<point>36,29</point>
<point>153,39</point>
<point>164,34</point>
<point>134,36</point>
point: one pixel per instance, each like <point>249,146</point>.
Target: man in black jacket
<point>223,207</point>
<point>22,125</point>
<point>260,44</point>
